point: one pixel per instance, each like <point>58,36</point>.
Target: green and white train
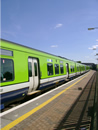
<point>24,71</point>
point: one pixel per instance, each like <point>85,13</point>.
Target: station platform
<point>67,107</point>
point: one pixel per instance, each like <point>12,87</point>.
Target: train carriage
<point>25,70</point>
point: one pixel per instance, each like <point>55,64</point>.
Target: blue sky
<point>58,27</point>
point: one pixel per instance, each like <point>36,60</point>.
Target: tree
<point>78,61</point>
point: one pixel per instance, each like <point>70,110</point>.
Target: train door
<point>33,74</point>
<point>85,68</point>
<point>80,69</point>
<point>67,69</point>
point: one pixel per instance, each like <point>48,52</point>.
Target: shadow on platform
<point>80,115</point>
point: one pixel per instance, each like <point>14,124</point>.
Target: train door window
<point>30,69</point>
<point>67,67</point>
<point>61,68</point>
<point>80,68</point>
<point>56,69</point>
<point>35,68</point>
<point>6,70</point>
<point>71,68</point>
<point>50,69</point>
<point>77,68</point>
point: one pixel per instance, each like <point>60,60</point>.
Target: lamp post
<point>92,28</point>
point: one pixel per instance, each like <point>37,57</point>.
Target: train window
<point>50,69</point>
<point>6,70</point>
<point>61,68</point>
<point>56,69</point>
<point>30,69</point>
<point>35,68</point>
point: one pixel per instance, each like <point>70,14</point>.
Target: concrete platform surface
<point>45,112</point>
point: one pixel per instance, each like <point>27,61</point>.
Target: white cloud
<point>96,40</point>
<point>54,46</point>
<point>93,47</point>
<point>58,25</point>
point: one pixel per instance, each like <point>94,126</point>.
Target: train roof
<point>29,47</point>
<point>32,48</point>
<point>37,50</point>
